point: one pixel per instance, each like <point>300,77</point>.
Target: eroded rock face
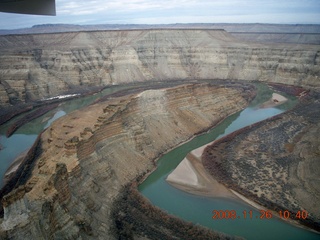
<point>44,65</point>
<point>90,154</point>
<point>275,162</point>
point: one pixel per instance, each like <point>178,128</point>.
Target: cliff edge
<point>79,164</point>
<point>39,66</point>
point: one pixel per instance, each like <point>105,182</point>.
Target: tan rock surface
<point>275,162</point>
<point>87,156</point>
<point>45,65</point>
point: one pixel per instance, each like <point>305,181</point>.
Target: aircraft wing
<point>35,7</point>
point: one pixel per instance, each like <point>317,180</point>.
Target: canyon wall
<point>274,162</point>
<point>39,66</point>
<point>84,159</point>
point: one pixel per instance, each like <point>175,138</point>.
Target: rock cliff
<point>44,65</point>
<point>79,165</point>
<point>274,162</point>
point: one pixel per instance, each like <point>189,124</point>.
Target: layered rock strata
<point>45,65</point>
<point>272,37</point>
<point>84,159</point>
<point>275,162</point>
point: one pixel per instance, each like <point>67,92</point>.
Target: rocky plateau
<point>39,66</point>
<point>84,166</point>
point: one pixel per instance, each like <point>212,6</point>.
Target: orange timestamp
<point>264,214</point>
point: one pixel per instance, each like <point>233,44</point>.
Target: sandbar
<point>274,101</point>
<point>191,176</point>
<point>14,166</point>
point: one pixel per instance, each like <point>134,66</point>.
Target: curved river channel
<point>198,209</point>
<point>190,207</point>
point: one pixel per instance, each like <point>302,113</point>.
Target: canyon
<point>82,161</point>
<point>274,162</point>
<point>85,165</point>
<point>40,66</point>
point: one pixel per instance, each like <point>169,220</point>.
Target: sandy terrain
<point>275,100</point>
<point>190,176</point>
<point>16,163</point>
<point>300,177</point>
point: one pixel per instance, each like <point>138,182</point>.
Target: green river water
<point>26,135</point>
<point>198,209</point>
<point>187,206</point>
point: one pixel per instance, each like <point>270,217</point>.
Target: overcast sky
<point>172,11</point>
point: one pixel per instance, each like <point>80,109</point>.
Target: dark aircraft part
<point>36,7</point>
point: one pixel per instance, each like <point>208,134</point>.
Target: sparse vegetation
<point>260,161</point>
<point>135,217</point>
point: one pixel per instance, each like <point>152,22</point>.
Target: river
<point>198,209</point>
<point>187,206</point>
<point>26,135</point>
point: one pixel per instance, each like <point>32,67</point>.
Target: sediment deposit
<point>275,162</point>
<point>69,184</point>
<point>29,117</point>
<point>39,66</point>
